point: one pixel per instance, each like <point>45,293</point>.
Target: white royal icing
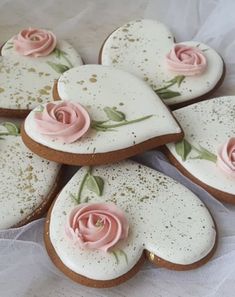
<point>140,47</point>
<point>208,124</point>
<point>165,218</point>
<point>95,87</point>
<point>26,82</point>
<point>26,180</point>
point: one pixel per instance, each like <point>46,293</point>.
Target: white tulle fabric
<point>25,270</point>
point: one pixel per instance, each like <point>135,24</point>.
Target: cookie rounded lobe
<point>180,237</point>
<point>141,46</point>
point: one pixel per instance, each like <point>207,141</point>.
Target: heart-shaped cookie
<point>179,73</point>
<point>28,183</point>
<point>207,154</point>
<point>123,114</point>
<point>27,81</point>
<point>107,219</point>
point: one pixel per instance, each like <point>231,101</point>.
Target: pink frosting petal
<point>186,60</point>
<point>34,42</point>
<point>66,121</point>
<point>97,225</point>
<point>226,157</point>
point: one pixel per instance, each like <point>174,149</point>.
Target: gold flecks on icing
<point>142,51</point>
<point>31,69</point>
<point>151,256</point>
<point>208,124</point>
<point>2,90</point>
<point>22,72</point>
<point>173,223</point>
<point>113,87</point>
<point>26,181</point>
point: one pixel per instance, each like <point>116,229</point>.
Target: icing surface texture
<point>140,47</point>
<point>96,87</point>
<point>164,217</point>
<point>27,81</point>
<point>26,180</point>
<point>208,124</point>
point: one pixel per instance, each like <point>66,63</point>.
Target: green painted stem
<point>166,87</point>
<point>123,123</point>
<point>67,60</point>
<point>88,173</point>
<point>7,134</point>
<point>196,149</point>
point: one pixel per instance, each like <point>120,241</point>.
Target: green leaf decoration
<point>60,68</point>
<point>167,94</point>
<point>97,125</point>
<point>124,254</point>
<point>179,79</point>
<point>183,149</point>
<point>95,184</point>
<point>11,128</point>
<point>109,127</point>
<point>57,52</point>
<point>115,256</point>
<point>75,198</point>
<point>40,108</point>
<point>114,115</point>
<point>206,155</point>
<point>119,253</point>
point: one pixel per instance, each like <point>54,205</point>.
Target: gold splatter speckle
<point>93,80</point>
<point>84,89</point>
<point>47,88</point>
<point>151,256</point>
<point>31,69</point>
<point>2,90</point>
<point>43,92</point>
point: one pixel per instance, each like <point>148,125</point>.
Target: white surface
<point>25,270</point>
<point>27,82</point>
<point>26,181</point>
<point>208,124</point>
<point>165,218</point>
<point>141,46</point>
<point>112,88</point>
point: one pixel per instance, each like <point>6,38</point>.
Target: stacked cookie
<point>114,213</point>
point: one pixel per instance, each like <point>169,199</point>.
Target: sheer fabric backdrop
<point>25,269</point>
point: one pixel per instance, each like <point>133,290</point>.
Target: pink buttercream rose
<point>34,42</point>
<point>97,226</point>
<point>186,60</point>
<point>66,121</point>
<point>226,157</point>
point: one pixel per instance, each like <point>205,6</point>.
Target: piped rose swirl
<point>186,60</point>
<point>66,121</point>
<point>34,42</point>
<point>226,157</point>
<point>97,226</point>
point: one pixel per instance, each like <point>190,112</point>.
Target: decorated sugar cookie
<point>207,153</point>
<point>105,115</point>
<point>179,73</point>
<point>28,183</point>
<point>108,219</point>
<point>30,62</point>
